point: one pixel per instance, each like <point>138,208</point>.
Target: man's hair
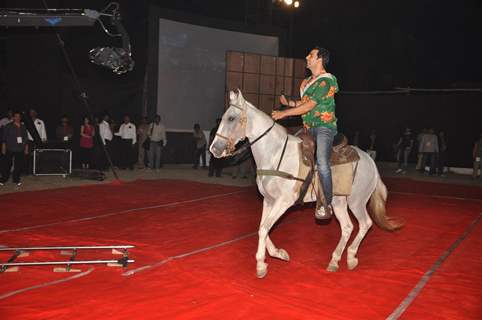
<point>324,54</point>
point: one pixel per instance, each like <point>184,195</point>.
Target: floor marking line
<point>203,249</point>
<point>426,277</point>
<point>46,284</point>
<point>171,204</point>
<point>190,253</point>
<point>432,196</point>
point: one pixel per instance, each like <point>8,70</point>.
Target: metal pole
<point>68,248</point>
<point>45,263</point>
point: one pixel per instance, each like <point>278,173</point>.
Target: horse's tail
<point>378,210</point>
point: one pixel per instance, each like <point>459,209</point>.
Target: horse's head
<point>232,128</point>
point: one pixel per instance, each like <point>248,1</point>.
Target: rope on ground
<point>46,284</point>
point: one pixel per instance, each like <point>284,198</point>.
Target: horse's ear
<point>240,97</point>
<point>232,96</point>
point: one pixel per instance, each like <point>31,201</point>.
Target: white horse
<point>243,120</point>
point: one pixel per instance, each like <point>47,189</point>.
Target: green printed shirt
<point>322,91</point>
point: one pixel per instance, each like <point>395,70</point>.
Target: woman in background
<point>87,132</point>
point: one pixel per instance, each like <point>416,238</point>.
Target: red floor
<point>220,283</point>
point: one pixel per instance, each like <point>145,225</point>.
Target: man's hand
<point>283,100</point>
<point>278,115</point>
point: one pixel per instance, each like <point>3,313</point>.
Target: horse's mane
<point>264,115</point>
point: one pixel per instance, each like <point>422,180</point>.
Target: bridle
<point>230,145</point>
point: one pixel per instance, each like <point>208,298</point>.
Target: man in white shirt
<point>157,134</point>
<point>39,125</point>
<point>105,134</point>
<point>7,119</point>
<point>128,134</point>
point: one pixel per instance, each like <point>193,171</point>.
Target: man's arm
<point>296,111</point>
<point>4,148</point>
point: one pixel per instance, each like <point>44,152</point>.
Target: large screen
<point>192,62</point>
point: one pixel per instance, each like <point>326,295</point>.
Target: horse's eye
<point>231,118</point>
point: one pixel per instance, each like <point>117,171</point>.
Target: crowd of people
<point>428,147</point>
<point>128,145</point>
<point>141,146</point>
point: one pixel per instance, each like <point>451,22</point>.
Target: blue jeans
<point>324,144</point>
<point>155,154</point>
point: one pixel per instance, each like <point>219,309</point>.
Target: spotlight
<point>297,4</point>
<point>289,2</point>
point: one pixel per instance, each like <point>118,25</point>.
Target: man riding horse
<point>317,108</point>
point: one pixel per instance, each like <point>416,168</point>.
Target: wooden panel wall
<point>262,78</point>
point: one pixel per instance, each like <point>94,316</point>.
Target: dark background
<point>375,45</point>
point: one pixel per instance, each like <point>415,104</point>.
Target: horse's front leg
<point>271,214</point>
<point>276,252</point>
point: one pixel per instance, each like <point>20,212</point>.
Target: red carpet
<point>166,219</point>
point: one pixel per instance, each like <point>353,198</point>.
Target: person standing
<point>429,149</point>
<point>200,146</point>
<point>404,148</point>
<point>14,149</point>
<point>64,132</point>
<point>142,135</point>
<point>372,151</point>
<point>442,153</point>
<point>7,119</point>
<point>105,133</point>
<point>477,156</point>
<point>128,134</point>
<point>215,164</point>
<point>39,125</point>
<point>317,108</point>
<point>158,137</point>
<point>87,133</point>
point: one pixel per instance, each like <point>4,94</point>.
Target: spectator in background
<point>105,133</point>
<point>200,146</point>
<point>442,153</point>
<point>158,137</point>
<point>87,133</point>
<point>128,134</point>
<point>7,119</point>
<point>142,135</point>
<point>14,149</point>
<point>477,156</point>
<point>419,154</point>
<point>215,164</point>
<point>39,125</point>
<point>64,131</point>
<point>404,147</point>
<point>356,139</point>
<point>429,149</point>
<point>371,150</point>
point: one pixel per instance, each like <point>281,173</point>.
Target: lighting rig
<point>118,59</point>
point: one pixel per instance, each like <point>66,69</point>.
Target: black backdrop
<point>33,73</point>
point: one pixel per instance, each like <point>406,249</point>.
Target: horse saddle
<point>342,171</point>
<point>341,152</point>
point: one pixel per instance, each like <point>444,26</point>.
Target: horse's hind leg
<point>275,252</point>
<point>365,222</point>
<point>270,215</point>
<point>341,213</point>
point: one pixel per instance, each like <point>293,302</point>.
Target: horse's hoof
<point>352,263</point>
<point>332,268</point>
<point>261,273</point>
<point>283,255</point>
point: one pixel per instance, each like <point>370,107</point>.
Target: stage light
<point>289,2</point>
<point>297,4</point>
